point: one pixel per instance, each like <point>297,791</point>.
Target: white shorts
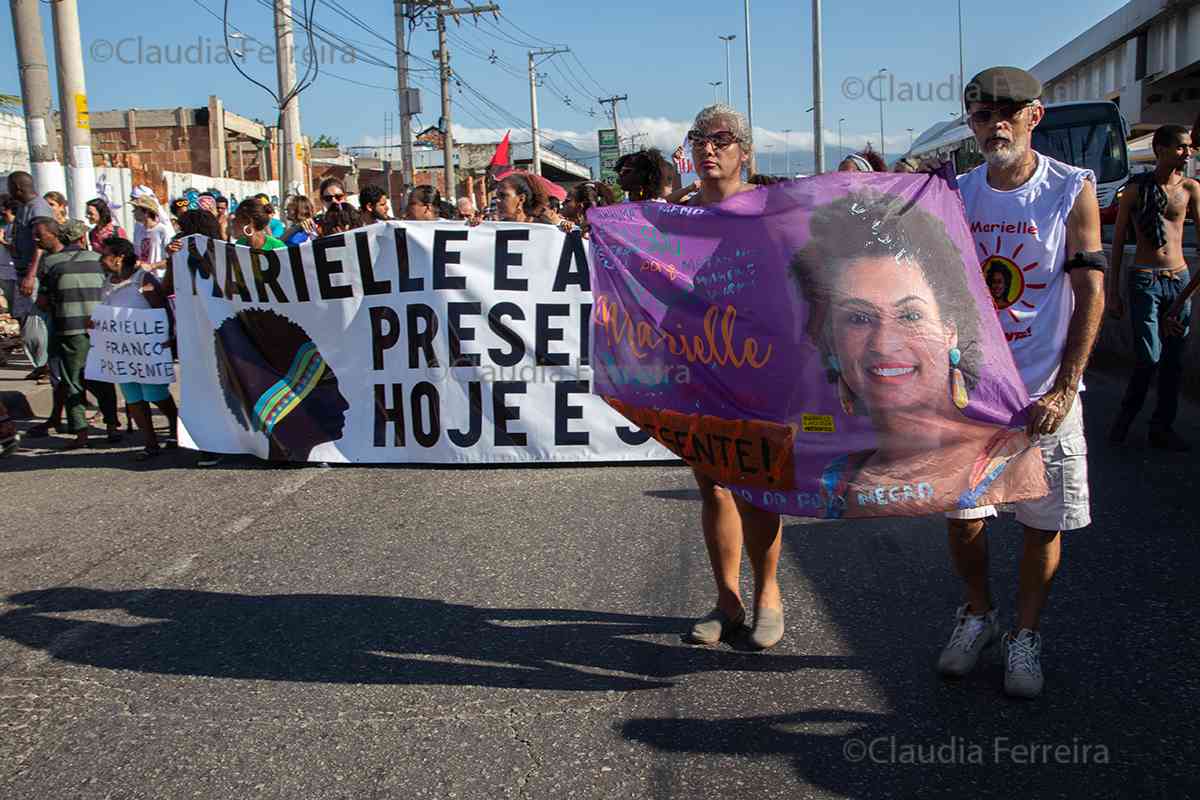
<point>1067,507</point>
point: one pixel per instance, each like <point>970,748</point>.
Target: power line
<point>348,15</point>
<point>523,32</point>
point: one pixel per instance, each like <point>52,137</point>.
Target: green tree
<point>325,140</point>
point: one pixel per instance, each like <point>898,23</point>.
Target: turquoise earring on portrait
<point>958,384</point>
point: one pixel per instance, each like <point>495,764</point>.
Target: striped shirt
<point>73,282</point>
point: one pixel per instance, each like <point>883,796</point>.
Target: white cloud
<point>667,134</point>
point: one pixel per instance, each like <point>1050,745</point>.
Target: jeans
<point>1150,297</point>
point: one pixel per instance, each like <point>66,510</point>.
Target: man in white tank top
<point>1036,225</point>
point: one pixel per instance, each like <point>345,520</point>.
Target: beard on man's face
<point>1003,152</point>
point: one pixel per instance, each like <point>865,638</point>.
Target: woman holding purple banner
<point>898,330</point>
<point>721,145</point>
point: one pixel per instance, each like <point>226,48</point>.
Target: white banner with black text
<point>413,342</point>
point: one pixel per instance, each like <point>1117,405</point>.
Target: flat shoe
<point>715,626</point>
<point>768,628</point>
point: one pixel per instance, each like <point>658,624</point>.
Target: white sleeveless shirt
<point>1021,240</point>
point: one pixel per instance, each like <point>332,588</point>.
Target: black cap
<point>1002,85</point>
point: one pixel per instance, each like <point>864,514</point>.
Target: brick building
<point>208,140</point>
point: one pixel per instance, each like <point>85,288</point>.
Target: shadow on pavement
<point>369,639</point>
<point>1117,718</point>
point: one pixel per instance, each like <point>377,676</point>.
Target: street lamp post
<point>960,50</point>
<point>881,147</point>
<point>728,82</point>
<point>910,139</point>
<point>716,97</point>
<point>818,92</point>
<point>787,151</point>
<point>749,86</point>
<point>841,150</point>
<point>770,160</point>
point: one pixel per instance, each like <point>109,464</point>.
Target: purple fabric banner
<point>824,347</point>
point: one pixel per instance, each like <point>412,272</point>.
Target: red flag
<point>500,158</point>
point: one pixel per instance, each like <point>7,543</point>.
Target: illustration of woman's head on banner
<point>277,383</point>
<point>897,328</point>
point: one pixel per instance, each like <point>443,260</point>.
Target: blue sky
<point>661,55</point>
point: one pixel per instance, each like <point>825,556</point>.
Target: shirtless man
<point>1157,203</point>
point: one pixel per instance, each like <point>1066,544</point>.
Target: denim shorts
<point>144,392</point>
<point>1068,506</point>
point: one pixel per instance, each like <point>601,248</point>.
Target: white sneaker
<point>1023,664</point>
<point>972,635</point>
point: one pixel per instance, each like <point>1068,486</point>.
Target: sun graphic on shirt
<point>1005,279</point>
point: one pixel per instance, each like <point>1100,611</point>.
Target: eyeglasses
<point>1004,113</point>
<point>719,140</point>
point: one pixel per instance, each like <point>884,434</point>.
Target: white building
<point>14,149</point>
<point>1145,57</point>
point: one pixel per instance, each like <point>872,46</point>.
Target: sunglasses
<point>719,140</point>
<point>332,198</point>
<point>1004,113</point>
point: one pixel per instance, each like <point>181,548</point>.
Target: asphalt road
<point>493,633</point>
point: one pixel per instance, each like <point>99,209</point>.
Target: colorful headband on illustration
<point>285,395</point>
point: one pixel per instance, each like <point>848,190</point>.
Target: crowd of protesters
<point>54,271</point>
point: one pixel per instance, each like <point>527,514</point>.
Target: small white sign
<point>129,345</point>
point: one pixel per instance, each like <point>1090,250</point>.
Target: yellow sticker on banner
<point>817,423</point>
<point>81,112</point>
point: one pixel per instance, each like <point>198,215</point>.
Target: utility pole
<point>787,150</point>
<point>961,85</point>
<point>291,166</point>
<point>749,89</point>
<point>405,98</point>
<point>443,56</point>
<point>536,167</point>
<point>72,98</point>
<point>881,148</point>
<point>35,97</point>
<point>818,93</point>
<point>387,152</point>
<point>612,101</point>
<point>728,81</point>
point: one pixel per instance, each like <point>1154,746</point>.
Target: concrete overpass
<point>1145,57</point>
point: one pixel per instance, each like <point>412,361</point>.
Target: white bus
<point>1087,134</point>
